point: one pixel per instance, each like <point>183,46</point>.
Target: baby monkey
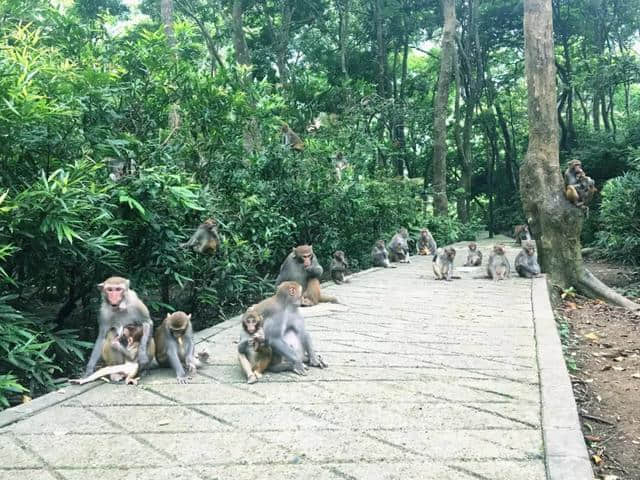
<point>129,340</point>
<point>498,267</point>
<point>443,263</point>
<point>253,353</point>
<point>474,257</point>
<point>526,262</point>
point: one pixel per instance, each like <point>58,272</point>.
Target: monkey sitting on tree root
<point>205,239</point>
<point>175,347</point>
<point>338,267</point>
<point>498,267</point>
<point>526,262</point>
<point>474,257</point>
<point>443,263</point>
<point>285,331</point>
<point>254,354</point>
<point>302,266</point>
<point>127,343</point>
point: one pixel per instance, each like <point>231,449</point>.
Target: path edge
<point>566,456</point>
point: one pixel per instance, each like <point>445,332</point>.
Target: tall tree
<point>239,40</point>
<point>555,222</point>
<point>447,55</point>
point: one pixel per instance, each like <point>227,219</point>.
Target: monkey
<point>443,263</point>
<point>498,267</point>
<point>585,189</point>
<point>175,347</point>
<point>426,244</point>
<point>254,354</point>
<point>290,138</point>
<point>380,255</point>
<point>120,306</point>
<point>338,267</point>
<point>474,257</point>
<point>399,248</point>
<point>526,262</point>
<point>285,330</point>
<point>571,179</point>
<point>339,164</point>
<point>302,266</point>
<point>205,239</point>
<point>519,231</point>
<point>131,336</point>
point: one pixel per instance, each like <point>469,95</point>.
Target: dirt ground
<point>602,348</point>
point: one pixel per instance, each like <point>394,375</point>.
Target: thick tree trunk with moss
<point>447,54</point>
<point>555,222</point>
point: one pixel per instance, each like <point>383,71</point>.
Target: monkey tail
<point>327,299</point>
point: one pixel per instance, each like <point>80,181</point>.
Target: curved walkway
<point>426,380</point>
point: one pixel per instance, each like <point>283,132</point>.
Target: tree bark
<point>239,40</point>
<point>556,224</point>
<point>440,202</point>
<point>166,12</point>
<point>381,51</point>
<point>343,9</point>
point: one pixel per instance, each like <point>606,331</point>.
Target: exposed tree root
<point>591,286</point>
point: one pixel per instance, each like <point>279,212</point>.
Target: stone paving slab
<point>459,380</point>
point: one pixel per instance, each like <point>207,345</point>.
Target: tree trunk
<point>343,9</point>
<point>381,53</point>
<point>556,224</point>
<point>440,202</point>
<point>239,40</point>
<point>166,12</point>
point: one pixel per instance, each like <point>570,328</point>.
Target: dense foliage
<point>193,119</point>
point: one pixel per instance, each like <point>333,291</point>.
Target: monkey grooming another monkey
<point>290,138</point>
<point>338,267</point>
<point>443,263</point>
<point>426,244</point>
<point>498,267</point>
<point>380,255</point>
<point>175,347</point>
<point>253,353</point>
<point>474,257</point>
<point>526,262</point>
<point>120,306</point>
<point>285,330</point>
<point>399,248</point>
<point>205,239</point>
<point>302,266</point>
<point>131,336</point>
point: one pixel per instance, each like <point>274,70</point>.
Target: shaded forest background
<point>188,97</point>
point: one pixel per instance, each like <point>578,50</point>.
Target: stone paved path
<point>427,380</point>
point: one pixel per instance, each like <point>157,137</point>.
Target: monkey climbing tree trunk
<point>440,202</point>
<point>555,222</point>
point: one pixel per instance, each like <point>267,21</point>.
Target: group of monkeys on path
<point>274,335</point>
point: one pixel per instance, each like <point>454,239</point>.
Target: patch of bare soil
<point>602,348</point>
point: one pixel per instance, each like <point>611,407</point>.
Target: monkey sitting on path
<point>498,267</point>
<point>426,243</point>
<point>443,263</point>
<point>254,354</point>
<point>474,257</point>
<point>526,263</point>
<point>338,267</point>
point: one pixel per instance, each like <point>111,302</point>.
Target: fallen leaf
<point>591,336</point>
<point>164,422</point>
<point>571,305</point>
<point>26,398</point>
<point>635,375</point>
<point>611,477</point>
<point>596,459</point>
<point>619,369</point>
<point>618,359</point>
<point>592,438</point>
<point>606,367</point>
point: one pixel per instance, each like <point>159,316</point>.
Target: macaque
<point>443,263</point>
<point>579,188</point>
<point>290,138</point>
<point>120,306</point>
<point>205,239</point>
<point>302,266</point>
<point>253,353</point>
<point>498,267</point>
<point>526,262</point>
<point>175,347</point>
<point>380,255</point>
<point>338,267</point>
<point>399,248</point>
<point>521,232</point>
<point>285,330</point>
<point>426,244</point>
<point>474,257</point>
<point>119,168</point>
<point>129,343</point>
<point>339,164</point>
